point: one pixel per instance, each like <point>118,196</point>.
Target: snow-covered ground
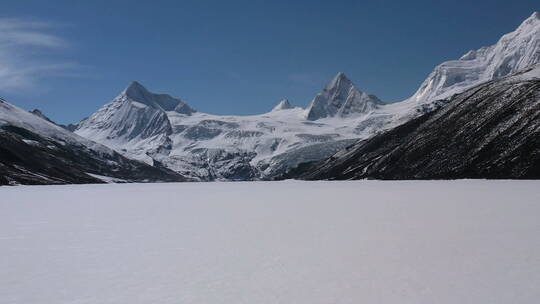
<point>272,242</point>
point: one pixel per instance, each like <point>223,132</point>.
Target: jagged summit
<point>230,147</point>
<point>513,52</point>
<point>340,77</point>
<point>282,105</point>
<point>341,98</point>
<point>533,17</point>
<point>135,114</point>
<point>137,92</point>
<point>489,131</point>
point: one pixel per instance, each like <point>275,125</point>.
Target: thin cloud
<point>20,40</point>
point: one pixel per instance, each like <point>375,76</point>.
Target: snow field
<point>271,242</point>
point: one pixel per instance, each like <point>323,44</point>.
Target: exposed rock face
<point>33,150</point>
<point>135,113</point>
<point>489,131</point>
<point>341,98</point>
<point>157,128</point>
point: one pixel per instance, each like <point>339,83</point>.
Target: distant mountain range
<point>33,150</point>
<point>164,134</point>
<point>489,131</point>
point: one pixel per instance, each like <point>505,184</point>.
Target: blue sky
<point>233,57</point>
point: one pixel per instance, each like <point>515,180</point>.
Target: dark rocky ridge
<point>30,159</point>
<point>490,131</point>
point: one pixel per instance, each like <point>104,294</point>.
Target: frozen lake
<point>272,242</point>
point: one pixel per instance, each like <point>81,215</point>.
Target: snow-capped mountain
<point>155,127</point>
<point>512,53</point>
<point>341,98</point>
<point>134,122</point>
<point>489,131</point>
<point>34,150</point>
<point>282,105</point>
<point>208,147</point>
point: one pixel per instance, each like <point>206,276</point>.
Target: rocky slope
<point>34,150</point>
<point>158,128</point>
<point>489,131</point>
<point>341,98</point>
<point>212,147</point>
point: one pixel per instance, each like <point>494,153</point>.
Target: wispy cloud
<point>24,49</point>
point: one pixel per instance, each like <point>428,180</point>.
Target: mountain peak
<point>282,105</point>
<point>513,52</point>
<point>340,75</point>
<point>339,80</point>
<point>135,84</point>
<point>533,20</point>
<point>341,98</point>
<point>136,91</point>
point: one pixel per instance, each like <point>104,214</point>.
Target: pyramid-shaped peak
<point>341,98</point>
<point>282,105</point>
<point>136,91</point>
<point>341,75</point>
<point>135,85</point>
<point>339,80</point>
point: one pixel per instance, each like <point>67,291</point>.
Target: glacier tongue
<point>341,98</point>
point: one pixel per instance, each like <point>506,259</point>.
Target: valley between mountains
<point>489,97</point>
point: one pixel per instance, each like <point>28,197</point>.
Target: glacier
<point>159,128</point>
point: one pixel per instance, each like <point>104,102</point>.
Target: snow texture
<point>271,242</point>
<point>513,52</point>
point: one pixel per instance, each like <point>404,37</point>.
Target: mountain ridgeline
<point>34,150</point>
<point>489,131</point>
<point>158,128</point>
<point>474,117</point>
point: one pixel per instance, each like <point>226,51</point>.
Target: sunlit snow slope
<point>209,147</point>
<point>33,150</point>
<point>271,242</point>
<point>156,127</point>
